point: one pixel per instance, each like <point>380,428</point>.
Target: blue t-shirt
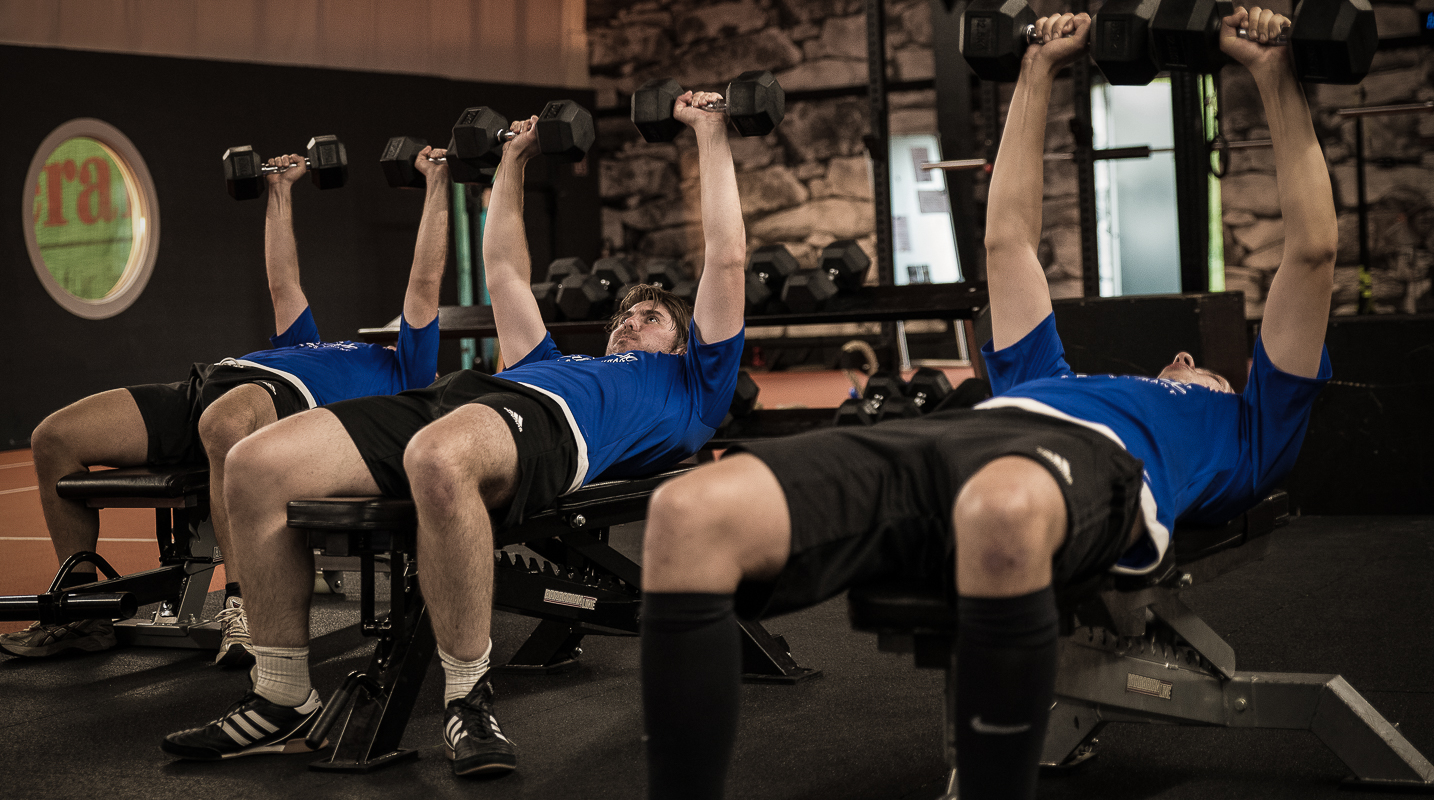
<point>635,413</point>
<point>1209,456</point>
<point>327,372</point>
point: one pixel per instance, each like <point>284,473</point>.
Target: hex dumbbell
<point>754,102</point>
<point>842,268</point>
<point>565,132</point>
<point>545,292</point>
<point>398,169</point>
<point>244,169</point>
<point>593,296</point>
<point>767,272</point>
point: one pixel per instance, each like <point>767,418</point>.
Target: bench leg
<point>767,658</point>
<point>383,697</point>
<point>551,647</point>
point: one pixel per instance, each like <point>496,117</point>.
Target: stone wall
<point>808,183</point>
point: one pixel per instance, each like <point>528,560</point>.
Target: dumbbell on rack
<point>594,296</point>
<point>244,169</point>
<point>398,169</point>
<point>767,272</point>
<point>744,398</point>
<point>887,396</point>
<point>546,290</point>
<point>842,268</point>
<point>754,102</point>
<point>565,132</point>
<point>665,273</point>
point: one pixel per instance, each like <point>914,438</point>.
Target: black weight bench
<point>187,555</point>
<point>580,587</point>
<point>1131,651</point>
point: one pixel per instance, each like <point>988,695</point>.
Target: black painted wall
<point>207,297</point>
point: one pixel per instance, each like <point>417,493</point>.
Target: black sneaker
<point>474,742</point>
<point>251,726</point>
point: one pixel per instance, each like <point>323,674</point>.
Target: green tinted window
<point>82,218</point>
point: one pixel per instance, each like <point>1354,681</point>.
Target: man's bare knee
<point>708,530</point>
<point>1009,520</point>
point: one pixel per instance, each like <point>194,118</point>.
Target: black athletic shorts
<point>874,503</point>
<point>171,411</point>
<point>381,427</point>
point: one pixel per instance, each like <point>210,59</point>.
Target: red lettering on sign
<point>55,177</point>
<point>95,178</point>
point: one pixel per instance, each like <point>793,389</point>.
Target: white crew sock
<point>459,677</point>
<point>281,675</point>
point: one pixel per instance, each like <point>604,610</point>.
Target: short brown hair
<point>676,307</point>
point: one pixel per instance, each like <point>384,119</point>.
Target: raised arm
<point>719,307</point>
<point>1297,308</point>
<point>1020,297</point>
<point>430,254</point>
<point>281,254</point>
<point>506,261</point>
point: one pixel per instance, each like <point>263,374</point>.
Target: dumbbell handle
<point>1283,38</point>
<point>1029,34</point>
<point>266,169</point>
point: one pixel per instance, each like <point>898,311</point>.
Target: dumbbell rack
<point>946,301</point>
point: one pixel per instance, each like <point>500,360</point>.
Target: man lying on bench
<point>1056,479</point>
<point>201,418</point>
<point>474,445</point>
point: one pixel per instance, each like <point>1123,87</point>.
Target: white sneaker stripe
<point>243,724</point>
<point>268,726</point>
<point>233,734</point>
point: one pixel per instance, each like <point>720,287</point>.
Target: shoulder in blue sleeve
<point>1039,354</point>
<point>300,331</point>
<point>712,372</point>
<point>418,354</point>
<point>1277,409</point>
<point>546,350</point>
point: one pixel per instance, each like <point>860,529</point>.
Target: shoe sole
<point>487,768</point>
<point>91,646</point>
<point>280,748</point>
<point>236,655</point>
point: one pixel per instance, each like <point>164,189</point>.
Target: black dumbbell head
<point>666,273</point>
<point>928,387</point>
<point>1333,41</point>
<point>686,291</point>
<point>883,385</point>
<point>652,106</point>
<point>563,267</point>
<point>586,297</point>
<point>475,136</point>
<point>846,263</point>
<point>1120,42</point>
<point>992,37</point>
<point>767,272</point>
<point>1185,34</point>
<point>808,291</point>
<point>615,271</point>
<point>565,130</point>
<point>856,411</point>
<point>546,293</point>
<point>898,408</point>
<point>397,162</point>
<point>744,396</point>
<point>328,162</point>
<point>242,178</point>
<point>756,103</point>
<point>463,170</point>
<point>969,393</point>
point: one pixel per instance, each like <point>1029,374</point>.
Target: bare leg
<point>103,429</point>
<point>1010,518</point>
<point>306,455</point>
<point>706,531</point>
<point>460,467</point>
<point>229,419</point>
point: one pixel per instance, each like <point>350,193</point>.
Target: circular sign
<point>91,218</point>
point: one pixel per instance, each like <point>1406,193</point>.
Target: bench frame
<point>1133,652</point>
<point>187,557</point>
<point>581,587</point>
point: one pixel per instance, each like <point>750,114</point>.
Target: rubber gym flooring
<point>1347,595</point>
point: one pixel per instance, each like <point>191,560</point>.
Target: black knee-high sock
<point>1005,681</point>
<point>691,675</point>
